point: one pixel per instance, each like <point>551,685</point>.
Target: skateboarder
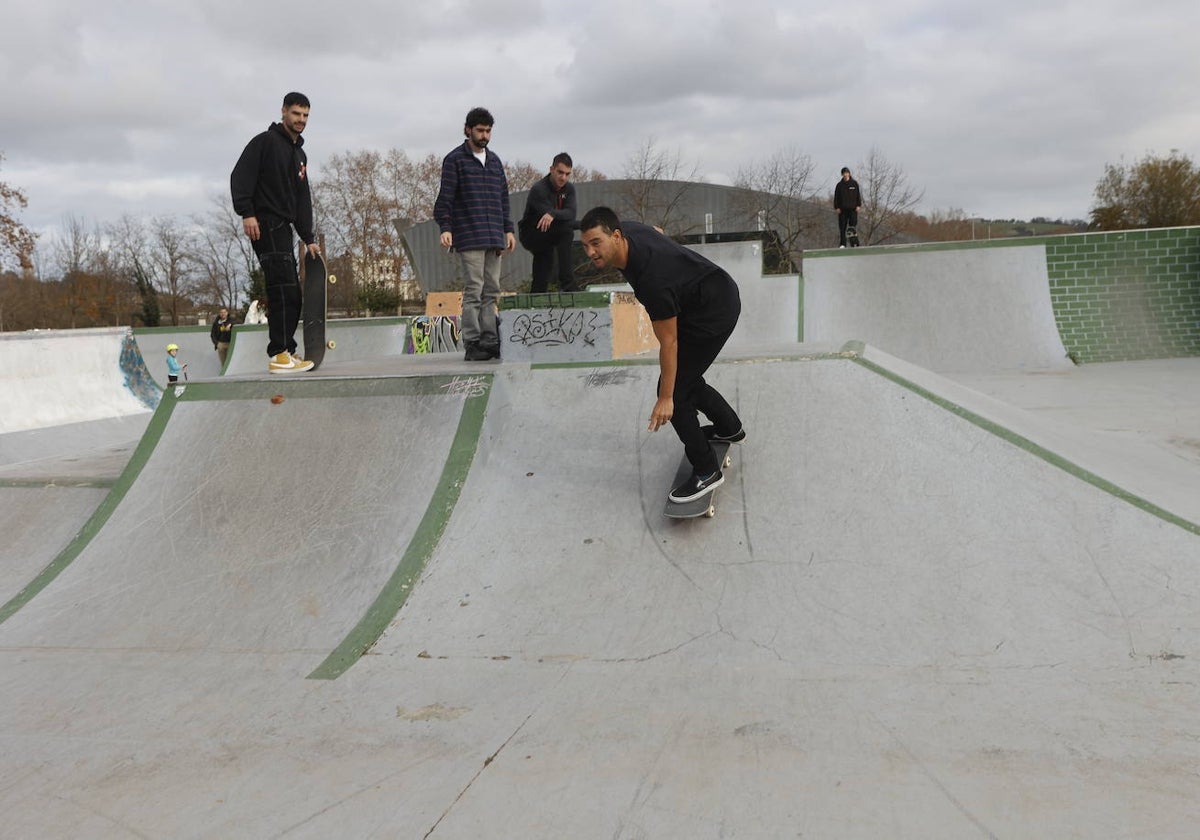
<point>270,192</point>
<point>847,201</point>
<point>693,306</point>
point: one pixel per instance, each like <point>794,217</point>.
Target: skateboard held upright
<point>705,505</point>
<point>316,309</point>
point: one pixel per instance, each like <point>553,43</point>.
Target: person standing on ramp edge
<point>693,306</point>
<point>270,191</point>
<point>473,214</point>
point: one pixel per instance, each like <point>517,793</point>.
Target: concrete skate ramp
<point>899,624</point>
<point>195,350</point>
<point>357,339</point>
<point>51,378</point>
<point>956,310</point>
<point>38,523</point>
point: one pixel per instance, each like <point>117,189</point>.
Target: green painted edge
<point>420,548</point>
<point>169,330</point>
<point>800,310</point>
<point>72,483</point>
<point>555,300</point>
<point>853,352</point>
<point>317,387</point>
<point>818,356</point>
<point>101,515</point>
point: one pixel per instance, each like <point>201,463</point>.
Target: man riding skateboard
<point>693,306</point>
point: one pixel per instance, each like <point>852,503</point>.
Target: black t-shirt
<point>672,281</point>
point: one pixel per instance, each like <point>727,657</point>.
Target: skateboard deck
<point>706,505</point>
<point>315,308</point>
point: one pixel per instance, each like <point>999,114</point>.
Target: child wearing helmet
<point>173,366</point>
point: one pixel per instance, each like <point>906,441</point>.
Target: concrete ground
<point>927,607</point>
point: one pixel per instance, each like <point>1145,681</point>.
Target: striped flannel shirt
<point>473,201</point>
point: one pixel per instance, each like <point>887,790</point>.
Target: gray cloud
<point>1000,110</point>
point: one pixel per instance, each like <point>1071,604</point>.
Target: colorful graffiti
<point>137,377</point>
<point>434,334</point>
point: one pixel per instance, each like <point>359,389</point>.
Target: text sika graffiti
<point>555,327</point>
<point>466,386</point>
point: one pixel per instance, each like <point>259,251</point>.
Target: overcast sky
<point>1004,109</point>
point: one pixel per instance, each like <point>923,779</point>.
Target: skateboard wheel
<point>711,512</point>
<point>333,279</point>
<point>331,344</point>
<point>727,463</point>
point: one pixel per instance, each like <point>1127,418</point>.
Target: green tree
<point>1153,192</point>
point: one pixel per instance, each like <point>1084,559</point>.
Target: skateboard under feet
<point>705,505</point>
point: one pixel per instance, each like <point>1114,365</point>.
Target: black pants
<point>278,261</point>
<point>553,246</point>
<point>693,394</point>
<point>847,218</point>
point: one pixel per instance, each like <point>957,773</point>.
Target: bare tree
<point>659,182</point>
<point>16,240</point>
<point>74,252</point>
<point>887,196</point>
<point>777,196</point>
<point>356,203</point>
<point>132,257</point>
<point>522,175</point>
<point>172,248</point>
<point>224,259</point>
<point>414,184</point>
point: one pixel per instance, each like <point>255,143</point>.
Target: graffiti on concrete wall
<point>555,327</point>
<point>137,377</point>
<point>609,377</point>
<point>466,386</point>
<point>434,334</point>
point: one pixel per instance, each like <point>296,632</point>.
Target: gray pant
<point>481,290</point>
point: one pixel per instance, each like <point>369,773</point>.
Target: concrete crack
<point>486,763</point>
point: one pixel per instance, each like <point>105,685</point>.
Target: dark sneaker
<point>475,353</point>
<point>492,350</point>
<point>695,487</point>
<point>710,433</point>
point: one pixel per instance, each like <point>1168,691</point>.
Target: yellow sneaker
<point>285,362</point>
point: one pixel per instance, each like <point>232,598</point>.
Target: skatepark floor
<point>906,619</point>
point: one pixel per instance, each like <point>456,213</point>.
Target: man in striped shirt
<point>473,214</point>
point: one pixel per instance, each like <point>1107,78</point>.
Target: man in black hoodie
<point>847,201</point>
<point>270,191</point>
<point>547,229</point>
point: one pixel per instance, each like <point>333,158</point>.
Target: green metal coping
<point>853,350</point>
<point>557,300</point>
<point>926,247</point>
<point>420,548</point>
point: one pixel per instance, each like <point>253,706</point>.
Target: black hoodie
<point>846,195</point>
<point>270,180</point>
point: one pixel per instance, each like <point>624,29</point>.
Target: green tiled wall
<point>1126,295</point>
